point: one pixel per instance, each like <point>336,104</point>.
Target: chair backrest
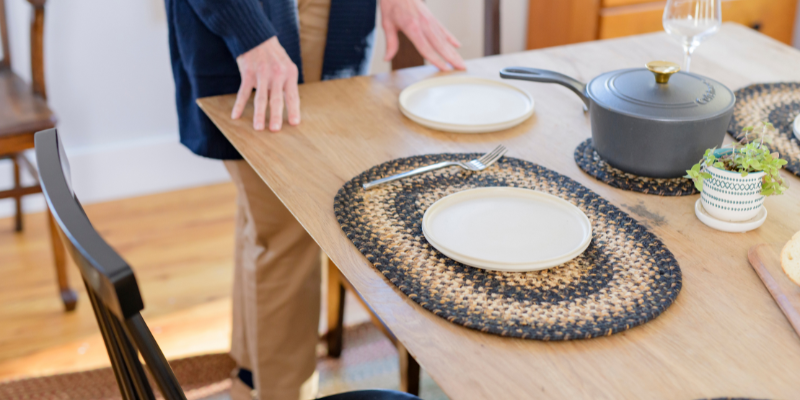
<point>5,62</point>
<point>110,282</point>
<point>37,44</point>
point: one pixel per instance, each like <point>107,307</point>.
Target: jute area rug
<point>368,361</point>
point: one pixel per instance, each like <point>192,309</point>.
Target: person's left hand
<point>430,38</point>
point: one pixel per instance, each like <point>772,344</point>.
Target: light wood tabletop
<point>724,335</point>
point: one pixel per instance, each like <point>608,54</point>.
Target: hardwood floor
<point>179,243</point>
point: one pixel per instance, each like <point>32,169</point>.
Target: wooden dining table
<point>723,337</point>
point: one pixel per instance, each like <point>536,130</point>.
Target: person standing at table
<point>271,46</point>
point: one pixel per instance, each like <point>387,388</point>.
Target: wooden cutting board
<point>765,260</point>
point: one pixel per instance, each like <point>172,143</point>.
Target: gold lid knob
<point>662,70</point>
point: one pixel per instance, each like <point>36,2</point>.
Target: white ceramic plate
<point>796,127</point>
<point>725,226</point>
<point>465,104</point>
<point>507,229</point>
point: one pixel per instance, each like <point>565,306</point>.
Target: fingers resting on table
<point>269,70</point>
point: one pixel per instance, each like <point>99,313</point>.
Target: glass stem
<point>687,57</point>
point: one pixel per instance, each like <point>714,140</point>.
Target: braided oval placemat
<point>591,163</point>
<point>625,277</point>
<point>778,103</point>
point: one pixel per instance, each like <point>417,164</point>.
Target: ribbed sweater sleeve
<point>242,24</point>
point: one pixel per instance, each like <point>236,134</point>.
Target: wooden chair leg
<point>17,199</point>
<point>336,295</point>
<point>409,371</point>
<point>68,296</point>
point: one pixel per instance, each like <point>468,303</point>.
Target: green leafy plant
<point>748,156</point>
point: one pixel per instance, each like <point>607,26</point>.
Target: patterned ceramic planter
<point>728,196</point>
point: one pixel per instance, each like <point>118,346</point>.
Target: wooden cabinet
<point>557,22</point>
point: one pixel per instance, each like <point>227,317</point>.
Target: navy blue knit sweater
<point>206,36</point>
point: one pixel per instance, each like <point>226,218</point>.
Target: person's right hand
<point>269,70</point>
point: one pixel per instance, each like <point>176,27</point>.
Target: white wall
<point>110,83</point>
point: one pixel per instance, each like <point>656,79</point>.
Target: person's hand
<point>269,70</point>
<point>430,38</point>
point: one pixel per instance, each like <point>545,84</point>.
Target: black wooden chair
<point>113,291</point>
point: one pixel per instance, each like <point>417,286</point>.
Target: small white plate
<point>507,229</point>
<point>465,104</point>
<point>725,226</point>
<point>796,127</point>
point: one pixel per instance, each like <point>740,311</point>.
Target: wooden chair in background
<point>407,56</point>
<point>114,293</point>
<point>23,111</point>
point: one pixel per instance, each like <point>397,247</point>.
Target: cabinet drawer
<point>773,18</point>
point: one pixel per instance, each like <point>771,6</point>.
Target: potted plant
<point>734,181</point>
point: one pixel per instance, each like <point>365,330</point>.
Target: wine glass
<point>691,21</point>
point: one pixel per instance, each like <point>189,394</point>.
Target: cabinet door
<point>560,22</point>
<point>773,18</point>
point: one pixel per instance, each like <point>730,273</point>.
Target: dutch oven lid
<point>660,92</point>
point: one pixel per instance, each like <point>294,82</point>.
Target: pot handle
<point>543,75</point>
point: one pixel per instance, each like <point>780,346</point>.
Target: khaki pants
<point>276,289</point>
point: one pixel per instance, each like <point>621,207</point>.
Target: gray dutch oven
<point>652,121</point>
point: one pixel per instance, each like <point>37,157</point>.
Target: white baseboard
<point>128,169</point>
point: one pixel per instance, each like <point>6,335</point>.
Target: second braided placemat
<point>590,162</point>
<point>778,103</point>
<point>625,278</point>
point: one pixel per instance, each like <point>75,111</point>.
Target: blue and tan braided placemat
<point>625,278</point>
<point>778,103</point>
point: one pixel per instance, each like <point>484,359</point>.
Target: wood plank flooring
<point>180,244</point>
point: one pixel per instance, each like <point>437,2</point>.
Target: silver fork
<point>478,164</point>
